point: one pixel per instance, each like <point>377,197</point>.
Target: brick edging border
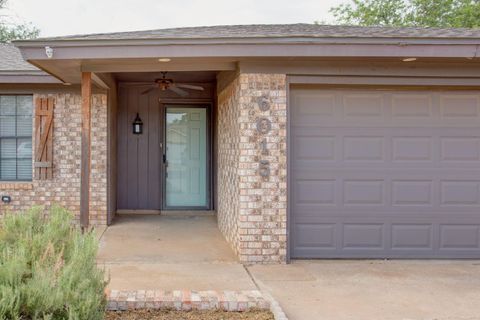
<point>121,300</point>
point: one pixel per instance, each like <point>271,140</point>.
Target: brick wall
<point>64,188</point>
<point>251,207</point>
<point>228,160</point>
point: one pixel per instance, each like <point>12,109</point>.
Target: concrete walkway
<point>374,290</point>
<point>170,253</point>
<point>189,253</point>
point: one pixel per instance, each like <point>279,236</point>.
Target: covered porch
<point>161,137</point>
<point>199,150</point>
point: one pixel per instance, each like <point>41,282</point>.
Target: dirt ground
<point>190,315</point>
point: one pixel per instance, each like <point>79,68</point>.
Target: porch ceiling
<point>69,70</point>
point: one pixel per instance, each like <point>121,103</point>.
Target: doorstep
<point>175,213</point>
<point>186,300</point>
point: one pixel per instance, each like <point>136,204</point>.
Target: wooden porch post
<point>85,157</point>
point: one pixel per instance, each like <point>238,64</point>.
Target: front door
<point>185,158</point>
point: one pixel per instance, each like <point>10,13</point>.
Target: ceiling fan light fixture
<point>164,59</point>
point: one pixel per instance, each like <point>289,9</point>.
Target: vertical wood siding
<point>138,167</point>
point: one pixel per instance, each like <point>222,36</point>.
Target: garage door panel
<point>412,106</point>
<point>318,148</point>
<point>318,192</point>
<point>385,174</point>
<point>397,147</point>
<point>363,148</point>
<point>363,236</point>
<point>412,192</point>
<point>457,105</point>
<point>314,107</point>
<point>459,236</point>
<point>412,236</point>
<point>361,106</point>
<point>316,235</point>
<point>395,240</point>
<point>388,196</point>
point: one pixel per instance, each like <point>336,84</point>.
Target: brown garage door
<point>384,173</point>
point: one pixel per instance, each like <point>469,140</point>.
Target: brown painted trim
<point>35,55</point>
<point>99,82</point>
<point>366,67</point>
<point>85,149</point>
<point>393,81</point>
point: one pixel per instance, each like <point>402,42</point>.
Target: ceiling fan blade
<point>178,91</point>
<point>149,89</point>
<point>189,86</point>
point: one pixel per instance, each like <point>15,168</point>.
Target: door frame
<point>164,104</point>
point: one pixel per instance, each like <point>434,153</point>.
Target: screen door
<point>186,180</point>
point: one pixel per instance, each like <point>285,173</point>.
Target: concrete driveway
<point>358,290</point>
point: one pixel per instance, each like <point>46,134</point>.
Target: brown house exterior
<point>307,141</point>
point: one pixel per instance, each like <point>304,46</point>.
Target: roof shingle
<point>280,31</point>
<point>12,60</point>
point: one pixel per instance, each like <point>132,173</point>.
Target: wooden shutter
<point>44,138</point>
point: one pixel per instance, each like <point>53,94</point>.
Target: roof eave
<point>24,77</point>
<point>35,51</point>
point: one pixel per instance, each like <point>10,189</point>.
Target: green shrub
<point>48,269</point>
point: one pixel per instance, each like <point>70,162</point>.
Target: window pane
<point>16,126</point>
<point>24,126</point>
<point>7,126</point>
<point>24,169</point>
<point>7,105</point>
<point>8,169</point>
<point>8,148</point>
<point>24,105</point>
<point>24,148</point>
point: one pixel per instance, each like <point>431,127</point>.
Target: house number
<point>263,103</point>
<point>264,168</point>
<point>263,146</point>
<point>264,126</point>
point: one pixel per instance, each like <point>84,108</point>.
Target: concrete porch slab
<point>154,252</point>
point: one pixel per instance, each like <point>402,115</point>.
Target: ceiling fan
<point>164,83</point>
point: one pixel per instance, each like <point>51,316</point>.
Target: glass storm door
<point>186,157</point>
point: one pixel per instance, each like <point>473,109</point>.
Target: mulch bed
<point>188,315</point>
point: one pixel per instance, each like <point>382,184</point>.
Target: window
<point>16,137</point>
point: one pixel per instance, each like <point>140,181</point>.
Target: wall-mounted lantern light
<point>137,125</point>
